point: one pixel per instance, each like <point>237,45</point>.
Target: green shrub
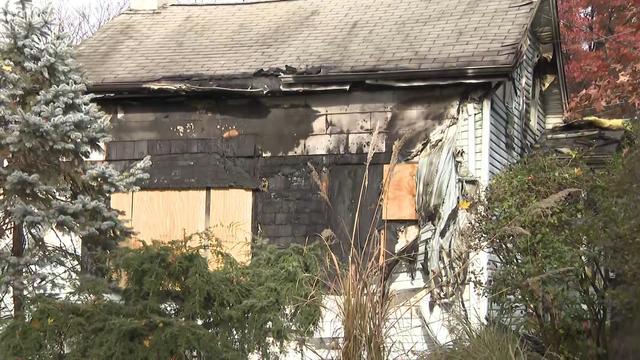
<point>556,229</point>
<point>171,305</point>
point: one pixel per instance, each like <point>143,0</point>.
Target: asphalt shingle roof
<point>337,35</point>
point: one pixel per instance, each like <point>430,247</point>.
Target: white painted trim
<point>486,140</point>
<point>471,145</point>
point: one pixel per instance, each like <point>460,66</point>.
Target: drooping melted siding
<point>514,129</point>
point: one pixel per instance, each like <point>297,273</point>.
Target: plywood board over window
<point>124,203</point>
<point>166,215</point>
<point>230,221</point>
<point>399,202</point>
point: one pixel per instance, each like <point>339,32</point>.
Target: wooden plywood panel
<point>400,195</point>
<point>123,202</point>
<point>230,221</point>
<point>168,215</point>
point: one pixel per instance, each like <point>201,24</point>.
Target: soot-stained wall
<point>267,144</point>
<point>289,208</point>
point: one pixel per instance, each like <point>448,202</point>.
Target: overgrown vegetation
<point>182,300</point>
<point>558,232</point>
<point>491,342</point>
<point>361,283</point>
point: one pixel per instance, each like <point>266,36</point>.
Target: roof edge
<point>450,74</point>
<point>422,77</point>
<point>244,2</point>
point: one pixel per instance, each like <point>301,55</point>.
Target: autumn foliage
<point>601,42</point>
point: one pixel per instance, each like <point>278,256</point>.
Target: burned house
<point>234,101</point>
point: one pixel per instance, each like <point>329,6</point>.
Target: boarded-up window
<point>230,221</point>
<point>400,193</point>
<point>166,215</point>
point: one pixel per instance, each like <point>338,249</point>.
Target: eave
<point>287,84</point>
<point>465,74</point>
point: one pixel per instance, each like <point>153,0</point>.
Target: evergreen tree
<point>53,199</point>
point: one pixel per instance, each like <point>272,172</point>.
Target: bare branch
<point>82,21</point>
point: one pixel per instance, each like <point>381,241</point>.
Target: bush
<point>172,305</point>
<point>556,228</point>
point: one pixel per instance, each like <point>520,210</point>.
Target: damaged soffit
<point>233,46</point>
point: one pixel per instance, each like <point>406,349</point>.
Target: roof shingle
<point>336,35</point>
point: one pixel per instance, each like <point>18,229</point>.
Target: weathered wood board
<point>400,196</point>
<point>165,215</point>
<point>230,221</point>
<point>124,202</point>
<point>168,215</point>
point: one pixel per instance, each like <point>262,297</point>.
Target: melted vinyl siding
<point>499,156</point>
<point>542,112</point>
<point>512,133</point>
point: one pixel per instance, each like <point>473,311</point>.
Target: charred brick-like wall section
<point>266,143</point>
<point>289,208</point>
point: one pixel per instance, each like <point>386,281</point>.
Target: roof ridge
<point>232,3</point>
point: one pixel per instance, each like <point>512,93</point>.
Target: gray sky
<point>80,3</point>
<point>82,18</point>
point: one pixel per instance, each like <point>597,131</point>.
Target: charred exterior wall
<point>267,143</point>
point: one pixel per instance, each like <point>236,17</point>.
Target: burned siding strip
<point>188,171</point>
<point>193,171</point>
<point>243,146</point>
<point>124,150</point>
<point>159,147</point>
<point>178,146</point>
<point>451,220</point>
<point>240,146</point>
<point>141,149</point>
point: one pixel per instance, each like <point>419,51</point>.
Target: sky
<point>68,3</point>
<point>80,3</point>
<point>81,18</point>
<point>71,3</point>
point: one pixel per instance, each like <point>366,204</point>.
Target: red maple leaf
<point>601,45</point>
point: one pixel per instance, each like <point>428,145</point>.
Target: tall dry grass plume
<point>361,282</point>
